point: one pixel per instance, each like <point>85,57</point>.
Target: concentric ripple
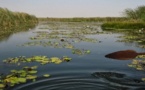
<point>96,81</point>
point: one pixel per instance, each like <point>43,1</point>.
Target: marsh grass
<point>11,19</point>
<point>11,22</point>
<point>122,25</point>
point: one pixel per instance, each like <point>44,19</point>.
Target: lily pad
<point>32,72</point>
<point>2,86</point>
<point>31,77</point>
<point>56,60</point>
<point>22,80</point>
<point>46,75</point>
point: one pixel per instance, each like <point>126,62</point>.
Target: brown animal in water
<point>124,54</point>
<point>62,40</point>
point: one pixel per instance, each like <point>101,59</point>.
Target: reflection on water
<point>91,71</point>
<point>6,35</point>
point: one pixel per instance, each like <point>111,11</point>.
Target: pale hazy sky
<point>71,8</point>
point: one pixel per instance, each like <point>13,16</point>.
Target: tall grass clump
<point>135,17</point>
<point>123,25</point>
<point>9,19</point>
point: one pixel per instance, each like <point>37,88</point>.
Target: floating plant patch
<point>134,37</point>
<point>40,59</point>
<point>61,35</point>
<point>46,75</point>
<point>80,51</point>
<point>16,77</point>
<point>138,64</point>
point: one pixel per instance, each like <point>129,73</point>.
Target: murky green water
<point>86,71</point>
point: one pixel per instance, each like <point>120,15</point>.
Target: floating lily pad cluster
<point>138,63</point>
<point>134,37</point>
<point>80,51</point>
<point>16,77</point>
<point>40,59</point>
<point>55,44</point>
<point>65,35</point>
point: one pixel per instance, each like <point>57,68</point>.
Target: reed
<point>9,19</point>
<point>122,25</point>
<point>11,22</point>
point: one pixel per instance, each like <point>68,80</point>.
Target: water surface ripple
<point>95,81</point>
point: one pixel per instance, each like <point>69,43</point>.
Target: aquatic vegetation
<point>25,74</point>
<point>46,75</point>
<point>11,22</point>
<point>80,51</point>
<point>67,59</point>
<point>16,77</point>
<point>133,37</point>
<point>40,59</point>
<point>65,35</point>
<point>11,19</point>
<point>138,64</point>
<point>122,25</point>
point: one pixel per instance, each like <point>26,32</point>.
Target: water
<point>87,72</point>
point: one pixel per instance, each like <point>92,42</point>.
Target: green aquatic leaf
<point>2,85</point>
<point>65,58</point>
<point>31,77</point>
<point>139,68</point>
<point>32,72</point>
<point>34,67</point>
<point>143,79</point>
<point>29,59</point>
<point>55,60</point>
<point>13,71</point>
<point>12,80</point>
<point>141,56</point>
<point>88,51</point>
<point>22,80</point>
<point>135,61</point>
<point>46,75</point>
<point>21,71</point>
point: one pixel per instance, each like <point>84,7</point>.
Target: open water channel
<point>85,43</point>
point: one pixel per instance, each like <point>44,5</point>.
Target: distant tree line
<point>91,19</point>
<point>136,14</point>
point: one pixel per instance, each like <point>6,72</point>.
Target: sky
<point>71,8</point>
